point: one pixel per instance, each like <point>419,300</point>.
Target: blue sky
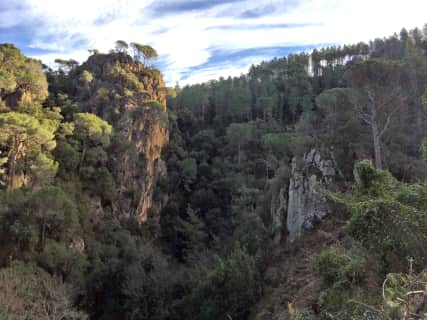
<point>199,40</point>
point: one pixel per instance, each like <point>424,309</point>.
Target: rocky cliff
<point>132,97</point>
<point>303,202</point>
<point>150,134</point>
<point>307,199</point>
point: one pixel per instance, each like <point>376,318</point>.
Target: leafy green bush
<point>341,273</point>
<point>388,217</point>
<point>228,290</point>
<point>64,261</point>
<point>387,228</point>
<point>371,182</point>
<point>335,266</point>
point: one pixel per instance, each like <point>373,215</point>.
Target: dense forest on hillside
<point>296,191</point>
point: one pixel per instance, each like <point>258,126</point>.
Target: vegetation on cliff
<point>131,200</point>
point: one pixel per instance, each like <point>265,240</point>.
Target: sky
<point>200,40</point>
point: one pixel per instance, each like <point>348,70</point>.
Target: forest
<point>296,191</point>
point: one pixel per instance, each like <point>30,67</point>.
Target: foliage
<point>26,138</point>
<point>28,292</point>
<point>403,294</point>
<point>337,267</point>
<point>228,289</point>
<point>383,220</point>
<point>20,77</point>
<point>195,235</point>
<point>74,164</point>
<point>344,273</point>
<point>44,169</point>
<point>91,129</point>
<point>127,277</point>
<point>145,52</point>
<point>121,46</point>
<point>371,182</point>
<point>387,226</point>
<point>54,215</point>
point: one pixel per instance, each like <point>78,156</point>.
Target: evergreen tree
<point>23,136</point>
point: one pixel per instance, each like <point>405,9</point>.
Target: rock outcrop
<point>151,135</point>
<point>307,199</point>
<point>132,97</point>
<point>145,125</point>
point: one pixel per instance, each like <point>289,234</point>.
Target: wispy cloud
<point>268,26</point>
<point>200,39</point>
<point>168,7</point>
<point>224,63</point>
<point>258,12</point>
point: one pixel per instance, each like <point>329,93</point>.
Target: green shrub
<point>341,272</point>
<point>335,266</point>
<point>371,182</point>
<point>228,290</point>
<point>387,217</point>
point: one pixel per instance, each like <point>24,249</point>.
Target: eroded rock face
<point>150,134</point>
<point>307,199</point>
<point>131,97</point>
<point>155,168</point>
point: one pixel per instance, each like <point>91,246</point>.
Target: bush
<point>341,272</point>
<point>228,290</point>
<point>335,266</point>
<point>388,217</point>
<point>370,181</point>
<point>386,228</point>
<point>28,292</point>
<point>64,261</point>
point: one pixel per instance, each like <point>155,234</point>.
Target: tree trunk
<point>377,145</point>
<point>11,170</point>
<point>11,173</point>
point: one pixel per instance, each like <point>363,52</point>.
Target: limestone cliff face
<point>150,135</point>
<point>145,125</point>
<point>132,98</point>
<point>307,200</point>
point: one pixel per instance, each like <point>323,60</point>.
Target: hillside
<point>296,191</point>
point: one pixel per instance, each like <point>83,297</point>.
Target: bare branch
<point>387,123</point>
<point>366,117</point>
<point>366,306</point>
<point>412,293</point>
<point>370,95</point>
<point>384,283</point>
<point>396,95</point>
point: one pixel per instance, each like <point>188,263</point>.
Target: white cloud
<point>185,39</point>
<point>225,70</point>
